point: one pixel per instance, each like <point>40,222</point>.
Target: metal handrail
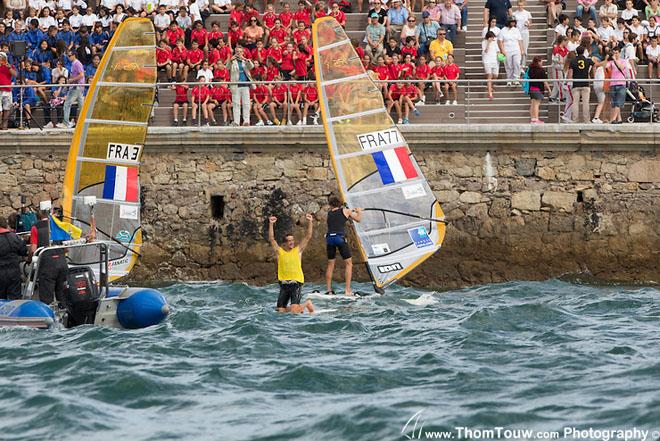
<point>468,85</point>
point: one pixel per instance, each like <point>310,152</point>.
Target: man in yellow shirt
<point>289,268</point>
<point>441,47</point>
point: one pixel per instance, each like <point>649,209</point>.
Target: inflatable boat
<point>88,298</point>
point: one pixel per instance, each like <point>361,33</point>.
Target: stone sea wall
<point>519,214</point>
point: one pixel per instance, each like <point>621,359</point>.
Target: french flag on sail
<point>121,183</point>
<point>394,165</point>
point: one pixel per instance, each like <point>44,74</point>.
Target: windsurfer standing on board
<point>336,239</point>
<point>289,268</point>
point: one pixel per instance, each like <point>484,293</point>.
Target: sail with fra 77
<point>403,223</point>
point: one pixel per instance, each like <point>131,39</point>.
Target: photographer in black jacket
<point>12,248</point>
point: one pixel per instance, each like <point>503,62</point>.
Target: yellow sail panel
<point>403,223</point>
<point>107,145</point>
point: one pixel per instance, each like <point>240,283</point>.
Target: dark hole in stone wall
<point>580,196</point>
<point>217,206</point>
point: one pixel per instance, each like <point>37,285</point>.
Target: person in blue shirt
<point>40,76</point>
<point>18,34</point>
<point>3,33</point>
<point>42,53</point>
<point>51,38</point>
<point>99,39</point>
<point>67,35</point>
<point>90,69</point>
<point>29,100</point>
<point>34,34</point>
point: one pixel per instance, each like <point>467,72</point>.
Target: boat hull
<point>127,308</point>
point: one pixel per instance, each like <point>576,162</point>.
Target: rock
<point>455,215</point>
<point>500,207</point>
<point>318,173</point>
<point>447,195</point>
<point>645,171</point>
<point>526,200</point>
<point>525,166</point>
<point>479,211</point>
<point>559,200</point>
<point>546,173</point>
<point>463,172</point>
<point>561,223</point>
<point>470,197</point>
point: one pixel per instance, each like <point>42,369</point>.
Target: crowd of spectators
<point>609,48</point>
<point>42,39</point>
<point>61,42</point>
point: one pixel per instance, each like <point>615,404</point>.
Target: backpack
<point>525,82</point>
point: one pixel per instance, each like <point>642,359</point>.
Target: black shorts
<point>289,292</point>
<point>333,243</point>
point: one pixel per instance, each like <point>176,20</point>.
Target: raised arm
<point>271,233</point>
<point>308,234</point>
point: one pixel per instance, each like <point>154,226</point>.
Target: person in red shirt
<point>278,33</point>
<point>269,18</point>
<point>302,31</point>
<point>311,99</point>
<point>235,34</point>
<point>438,74</point>
<point>286,66</point>
<point>286,16</point>
<point>180,100</point>
<point>304,42</point>
<point>250,12</point>
<point>407,67</point>
<point>295,99</point>
<point>215,33</point>
<point>395,68</point>
<point>422,72</point>
<point>221,73</point>
<point>272,69</point>
<point>261,98</point>
<point>279,95</point>
<point>410,48</point>
<point>260,53</point>
<point>194,59</point>
<point>338,14</point>
<point>237,15</point>
<point>173,34</point>
<point>409,95</point>
<point>224,50</point>
<point>383,72</point>
<point>303,14</point>
<point>319,11</point>
<point>358,49</point>
<point>275,51</point>
<point>301,59</point>
<point>200,35</point>
<point>163,60</point>
<point>200,98</point>
<point>258,69</point>
<point>220,97</point>
<point>7,72</point>
<point>393,99</point>
<point>452,73</point>
<point>367,62</point>
<point>179,57</point>
<point>213,54</point>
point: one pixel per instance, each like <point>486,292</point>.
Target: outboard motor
<point>81,296</point>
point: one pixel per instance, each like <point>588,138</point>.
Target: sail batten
<point>107,146</point>
<point>372,163</point>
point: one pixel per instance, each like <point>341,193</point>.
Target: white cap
<point>45,205</point>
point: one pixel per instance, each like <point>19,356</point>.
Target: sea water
<point>542,356</point>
